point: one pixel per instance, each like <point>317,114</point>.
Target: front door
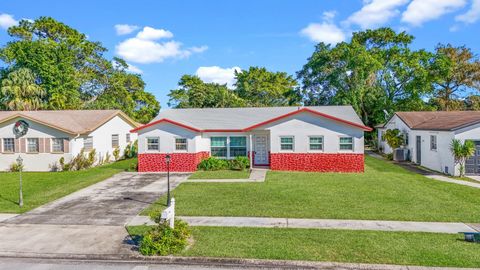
<point>419,149</point>
<point>261,150</point>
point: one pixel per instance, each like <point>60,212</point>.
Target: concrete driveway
<point>90,221</point>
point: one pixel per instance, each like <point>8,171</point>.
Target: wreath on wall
<point>20,128</point>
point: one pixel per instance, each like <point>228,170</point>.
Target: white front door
<point>261,150</point>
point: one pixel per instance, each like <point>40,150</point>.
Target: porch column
<point>250,153</point>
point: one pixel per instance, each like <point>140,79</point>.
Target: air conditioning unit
<point>400,154</point>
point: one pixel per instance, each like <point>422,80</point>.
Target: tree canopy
<point>73,70</point>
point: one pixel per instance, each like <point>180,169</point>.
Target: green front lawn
<point>42,187</point>
<point>404,248</point>
<point>384,192</point>
<point>223,174</point>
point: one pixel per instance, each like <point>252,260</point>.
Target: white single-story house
<point>428,136</point>
<point>323,138</point>
<point>41,138</point>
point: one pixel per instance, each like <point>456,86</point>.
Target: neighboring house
<point>50,135</point>
<point>326,138</point>
<point>428,136</point>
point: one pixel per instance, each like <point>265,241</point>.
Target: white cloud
<point>376,12</point>
<point>218,75</point>
<point>325,31</point>
<point>420,11</point>
<point>472,15</point>
<point>150,33</point>
<point>134,69</point>
<point>7,20</point>
<point>124,29</point>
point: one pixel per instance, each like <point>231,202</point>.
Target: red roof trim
<point>313,112</point>
<point>256,125</point>
<point>168,121</point>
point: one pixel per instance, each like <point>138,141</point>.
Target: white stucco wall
<point>303,125</point>
<point>32,161</point>
<point>167,133</point>
<point>468,133</point>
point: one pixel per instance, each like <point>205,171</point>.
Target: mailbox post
<point>20,168</point>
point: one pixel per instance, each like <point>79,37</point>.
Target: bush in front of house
<point>15,167</point>
<point>213,164</point>
<point>239,163</point>
<point>163,240</point>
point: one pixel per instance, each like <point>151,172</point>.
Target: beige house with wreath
<point>41,138</point>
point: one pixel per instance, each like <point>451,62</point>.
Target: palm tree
<point>461,152</point>
<point>20,92</point>
<point>394,138</point>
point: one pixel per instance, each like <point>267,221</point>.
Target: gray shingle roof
<point>240,118</point>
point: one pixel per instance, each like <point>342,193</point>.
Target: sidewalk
<point>373,225</point>
<point>256,175</point>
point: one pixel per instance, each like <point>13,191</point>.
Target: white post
<point>251,150</point>
<point>172,217</point>
<point>169,214</point>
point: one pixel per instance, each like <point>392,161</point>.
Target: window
<point>114,140</point>
<point>153,144</point>
<point>32,145</point>
<point>286,143</point>
<point>181,144</point>
<point>57,145</point>
<point>238,146</point>
<point>316,143</point>
<point>433,142</point>
<point>405,137</point>
<point>346,143</point>
<point>218,146</point>
<point>382,136</point>
<point>127,138</point>
<point>8,145</point>
<point>88,143</point>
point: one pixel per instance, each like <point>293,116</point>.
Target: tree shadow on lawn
<point>8,200</point>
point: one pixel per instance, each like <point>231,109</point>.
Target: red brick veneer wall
<point>179,162</point>
<point>317,162</point>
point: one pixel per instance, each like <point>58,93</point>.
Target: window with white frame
<point>153,144</point>
<point>181,144</point>
<point>433,142</point>
<point>127,137</point>
<point>57,145</point>
<point>8,145</point>
<point>286,143</point>
<point>405,138</point>
<point>32,145</point>
<point>88,143</point>
<point>115,141</point>
<point>316,143</point>
<point>346,143</point>
<point>238,146</point>
<point>218,147</point>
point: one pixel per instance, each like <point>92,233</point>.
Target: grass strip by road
<point>42,187</point>
<point>377,247</point>
<point>384,192</point>
<point>222,174</point>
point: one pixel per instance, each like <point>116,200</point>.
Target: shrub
<point>239,163</point>
<point>107,157</point>
<point>213,164</point>
<point>15,167</point>
<point>80,162</point>
<point>163,240</point>
<point>116,153</point>
<point>133,167</point>
<point>389,156</point>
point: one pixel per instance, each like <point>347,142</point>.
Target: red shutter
<point>17,145</point>
<point>66,145</point>
<point>47,145</point>
<point>23,146</point>
<point>41,145</point>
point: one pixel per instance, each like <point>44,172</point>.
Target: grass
<point>404,248</point>
<point>384,192</point>
<point>42,187</point>
<point>223,174</point>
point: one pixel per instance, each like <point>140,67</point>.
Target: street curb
<point>218,262</point>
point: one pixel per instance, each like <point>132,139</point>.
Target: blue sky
<point>166,39</point>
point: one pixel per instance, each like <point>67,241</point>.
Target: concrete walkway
<point>373,225</point>
<point>4,217</point>
<point>256,175</point>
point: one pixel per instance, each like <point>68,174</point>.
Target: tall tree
<point>20,92</point>
<point>260,87</point>
<point>455,70</point>
<point>375,71</point>
<point>194,93</point>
